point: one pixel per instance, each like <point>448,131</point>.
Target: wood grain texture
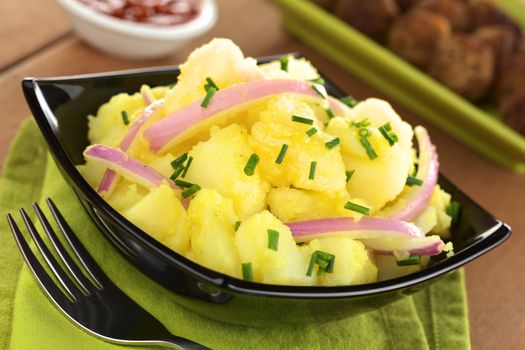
<point>495,282</point>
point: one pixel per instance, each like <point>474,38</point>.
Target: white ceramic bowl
<point>133,40</point>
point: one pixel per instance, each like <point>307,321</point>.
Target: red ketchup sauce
<point>156,12</point>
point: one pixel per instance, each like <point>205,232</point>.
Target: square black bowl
<point>60,107</point>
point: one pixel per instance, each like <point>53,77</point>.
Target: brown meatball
<point>371,17</point>
<point>415,35</point>
<point>485,13</point>
<point>457,12</point>
<point>407,4</point>
<point>501,39</point>
<point>513,112</point>
<point>511,78</point>
<point>465,64</point>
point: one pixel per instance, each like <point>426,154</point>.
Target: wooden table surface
<point>37,41</point>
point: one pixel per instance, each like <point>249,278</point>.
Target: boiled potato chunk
<point>353,263</point>
<point>388,268</point>
<point>286,265</point>
<point>298,69</point>
<point>219,164</point>
<point>126,194</point>
<point>291,204</point>
<point>220,60</point>
<point>213,221</point>
<point>162,216</point>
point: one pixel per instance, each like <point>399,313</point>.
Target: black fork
<point>88,298</point>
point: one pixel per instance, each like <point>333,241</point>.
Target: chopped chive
<point>284,63</point>
<point>332,143</point>
<point>311,174</point>
<point>125,117</point>
<point>320,90</point>
<point>330,113</point>
<point>453,210</point>
<point>317,80</point>
<point>177,163</point>
<point>190,191</point>
<point>311,132</point>
<point>364,132</point>
<point>247,273</point>
<point>368,147</point>
<point>411,181</point>
<point>412,260</point>
<point>249,169</point>
<point>183,184</point>
<point>349,174</point>
<point>273,239</point>
<point>210,83</point>
<point>357,208</point>
<point>282,153</point>
<point>388,134</point>
<point>171,86</point>
<point>296,118</point>
<point>325,261</point>
<point>237,225</point>
<point>190,159</point>
<point>209,94</point>
<point>349,101</point>
<point>362,123</point>
<point>176,173</point>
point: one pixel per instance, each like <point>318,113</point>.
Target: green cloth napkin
<point>434,318</point>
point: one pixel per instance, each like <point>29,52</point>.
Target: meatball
<point>511,79</point>
<point>407,4</point>
<point>513,112</point>
<point>415,36</point>
<point>465,64</point>
<point>457,12</point>
<point>501,39</point>
<point>485,13</point>
<point>371,17</point>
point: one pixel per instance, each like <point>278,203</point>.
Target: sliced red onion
<point>148,97</point>
<point>127,166</point>
<point>110,178</point>
<point>416,199</point>
<point>164,132</point>
<point>382,235</point>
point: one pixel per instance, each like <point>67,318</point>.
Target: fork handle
<point>184,344</point>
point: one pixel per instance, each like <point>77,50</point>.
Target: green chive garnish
<point>296,118</point>
<point>176,173</point>
<point>319,89</point>
<point>388,134</point>
<point>210,83</point>
<point>412,260</point>
<point>368,147</point>
<point>311,174</point>
<point>237,225</point>
<point>330,113</point>
<point>171,86</point>
<point>362,123</point>
<point>125,117</point>
<point>282,153</point>
<point>349,101</point>
<point>247,273</point>
<point>209,94</point>
<point>190,159</point>
<point>357,208</point>
<point>332,143</point>
<point>311,132</point>
<point>284,63</point>
<point>411,181</point>
<point>183,184</point>
<point>273,239</point>
<point>364,132</point>
<point>249,169</point>
<point>325,261</point>
<point>190,191</point>
<point>453,210</point>
<point>349,174</point>
<point>177,163</point>
<point>317,80</point>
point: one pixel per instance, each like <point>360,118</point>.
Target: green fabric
<point>434,318</point>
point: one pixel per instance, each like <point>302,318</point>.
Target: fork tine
<point>83,256</point>
<point>60,274</point>
<point>84,283</point>
<point>46,282</point>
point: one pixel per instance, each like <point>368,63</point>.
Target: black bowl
<point>60,107</point>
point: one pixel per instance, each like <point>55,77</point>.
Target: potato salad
<point>255,171</point>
